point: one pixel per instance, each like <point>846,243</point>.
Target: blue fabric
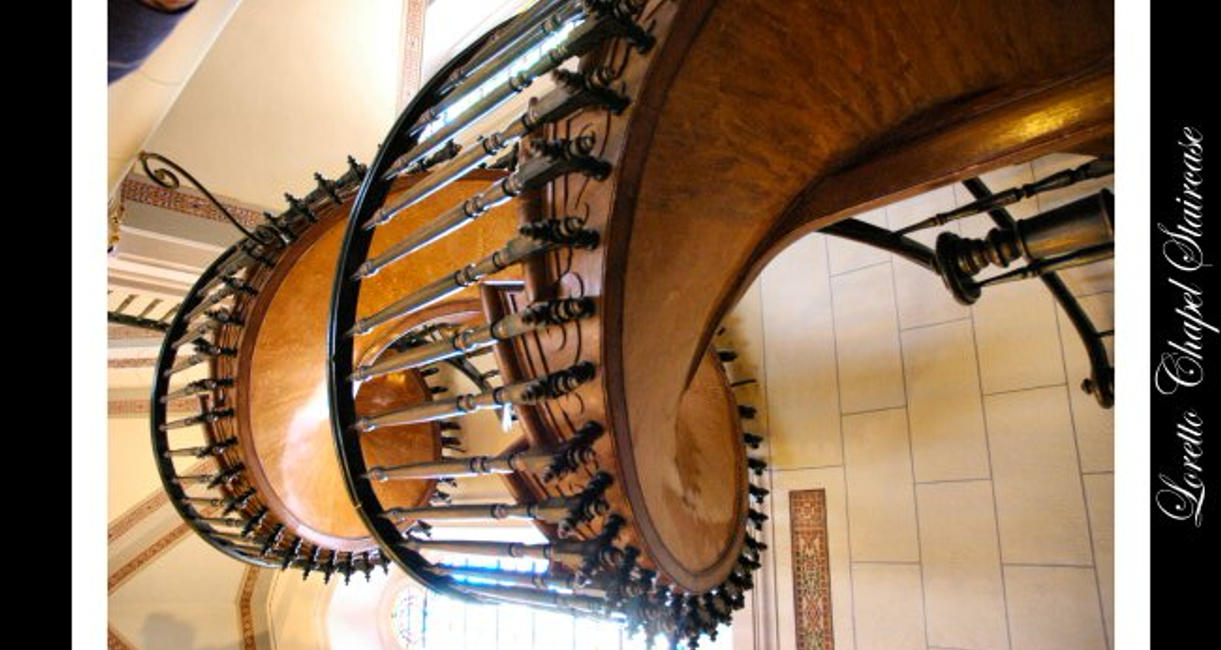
<point>136,29</point>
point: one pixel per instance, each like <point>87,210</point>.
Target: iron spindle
<point>212,480</point>
<point>185,364</point>
<point>1097,168</point>
<point>555,385</point>
<point>239,501</point>
<point>551,463</point>
<point>312,562</point>
<point>204,417</point>
<point>212,350</point>
<point>254,522</point>
<point>212,502</point>
<point>573,92</point>
<point>198,386</point>
<point>329,187</point>
<point>550,160</point>
<point>533,318</point>
<point>206,450</point>
<point>524,32</point>
<point>239,285</point>
<point>211,300</point>
<point>757,493</point>
<point>223,521</point>
<point>273,539</point>
<point>292,553</point>
<point>516,250</point>
<point>581,39</point>
<point>329,567</point>
<point>565,512</point>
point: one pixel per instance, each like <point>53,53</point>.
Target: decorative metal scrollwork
<point>167,179</point>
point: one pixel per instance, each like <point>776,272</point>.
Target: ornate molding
<point>184,202</point>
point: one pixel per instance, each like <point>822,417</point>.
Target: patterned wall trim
<point>811,570</point>
<point>165,543</point>
<point>413,49</point>
<point>135,515</point>
<point>149,504</point>
<point>148,362</point>
<point>115,641</point>
<point>154,551</point>
<point>117,331</point>
<point>130,407</point>
<point>245,617</point>
<point>186,202</point>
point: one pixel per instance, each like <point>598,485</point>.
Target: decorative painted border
<point>811,570</point>
<point>413,49</point>
<point>118,331</point>
<point>245,616</point>
<point>125,407</point>
<point>149,193</point>
<point>149,504</point>
<point>115,641</point>
<point>146,362</point>
<point>120,575</point>
<point>136,514</point>
<point>152,552</point>
<point>124,523</point>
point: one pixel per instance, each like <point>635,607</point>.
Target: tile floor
<point>969,480</point>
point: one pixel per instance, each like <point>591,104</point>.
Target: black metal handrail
<point>342,316</point>
<point>626,590</point>
<point>243,510</point>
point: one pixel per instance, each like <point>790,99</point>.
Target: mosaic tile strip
<point>811,570</point>
<point>141,191</point>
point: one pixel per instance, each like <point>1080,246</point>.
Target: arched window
<point>423,620</point>
<point>521,63</point>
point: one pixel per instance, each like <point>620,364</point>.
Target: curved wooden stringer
<point>206,357</point>
<point>688,144</point>
<point>248,344</point>
<point>584,193</point>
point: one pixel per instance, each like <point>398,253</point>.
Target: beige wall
<point>968,479</point>
<point>132,474</point>
<point>185,599</point>
<point>289,88</point>
<point>137,103</point>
